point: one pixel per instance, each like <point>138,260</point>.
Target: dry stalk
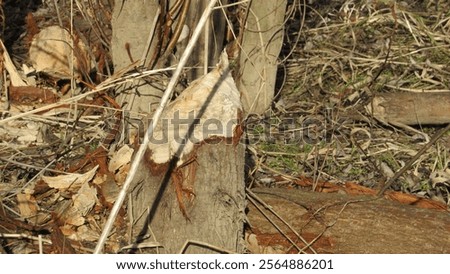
<point>118,78</point>
<point>205,245</point>
<point>408,165</point>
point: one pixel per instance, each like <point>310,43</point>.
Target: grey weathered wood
<point>353,224</point>
<point>216,33</point>
<point>131,24</point>
<point>412,108</point>
<point>216,212</point>
<point>261,45</point>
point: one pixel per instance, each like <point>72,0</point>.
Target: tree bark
<point>350,224</point>
<point>131,24</point>
<point>409,108</point>
<point>208,46</point>
<point>215,211</point>
<point>261,45</point>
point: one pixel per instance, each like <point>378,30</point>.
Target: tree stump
<point>192,181</point>
<point>215,212</point>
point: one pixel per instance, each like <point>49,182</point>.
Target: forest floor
<point>319,134</point>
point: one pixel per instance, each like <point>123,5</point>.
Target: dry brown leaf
<point>84,233</point>
<point>120,158</point>
<point>51,52</point>
<point>85,199</point>
<point>82,203</point>
<point>67,230</point>
<point>27,205</point>
<point>122,174</point>
<point>410,199</point>
<point>109,190</point>
<point>70,181</point>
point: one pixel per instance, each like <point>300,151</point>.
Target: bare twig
<point>24,236</point>
<point>41,241</point>
<point>399,173</point>
<point>253,198</point>
<point>202,244</point>
<point>117,79</point>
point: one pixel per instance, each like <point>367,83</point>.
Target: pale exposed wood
<point>412,108</point>
<point>356,224</point>
<point>209,106</point>
<point>216,213</point>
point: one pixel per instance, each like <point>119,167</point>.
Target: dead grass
<point>344,55</point>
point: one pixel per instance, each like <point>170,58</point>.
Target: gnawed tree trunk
<point>193,176</point>
<point>216,211</point>
<point>261,45</point>
<point>349,224</point>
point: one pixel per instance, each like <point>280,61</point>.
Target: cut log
<point>215,211</point>
<point>410,108</point>
<point>349,224</point>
